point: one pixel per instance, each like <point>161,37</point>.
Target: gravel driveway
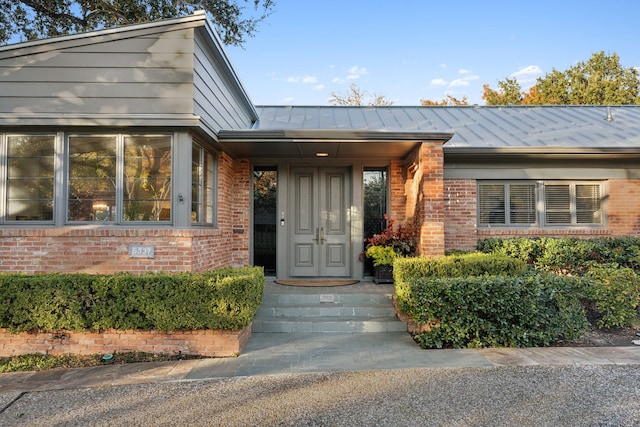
<point>597,395</point>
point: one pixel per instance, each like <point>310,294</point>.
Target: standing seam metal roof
<point>474,126</point>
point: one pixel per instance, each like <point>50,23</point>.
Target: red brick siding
<point>460,214</point>
<point>210,343</point>
<point>623,207</point>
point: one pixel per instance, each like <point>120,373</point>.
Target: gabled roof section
<point>486,128</point>
<point>173,72</point>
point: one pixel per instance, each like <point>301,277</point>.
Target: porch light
<point>322,154</point>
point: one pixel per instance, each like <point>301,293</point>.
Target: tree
<point>601,80</point>
<point>448,101</point>
<point>357,96</point>
<point>34,19</point>
<point>508,93</point>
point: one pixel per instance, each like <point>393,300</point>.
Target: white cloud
<point>302,79</point>
<point>529,72</point>
<point>337,80</point>
<point>357,70</point>
<point>353,76</point>
<point>463,71</point>
<point>287,100</point>
<point>318,88</point>
<point>439,82</point>
<point>459,83</point>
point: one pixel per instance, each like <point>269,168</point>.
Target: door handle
<point>317,238</point>
<point>322,239</point>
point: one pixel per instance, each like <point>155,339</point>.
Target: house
<point>138,149</point>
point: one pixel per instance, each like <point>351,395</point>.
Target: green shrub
<point>567,255</point>
<point>486,311</point>
<point>615,294</point>
<point>405,270</point>
<point>222,299</point>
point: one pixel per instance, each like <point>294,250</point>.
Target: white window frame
<point>541,204</point>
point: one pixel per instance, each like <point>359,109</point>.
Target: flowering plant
<point>395,241</point>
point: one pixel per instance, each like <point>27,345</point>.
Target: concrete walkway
<point>276,354</point>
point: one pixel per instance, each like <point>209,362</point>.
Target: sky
<point>409,50</point>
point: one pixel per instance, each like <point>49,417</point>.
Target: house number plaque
<point>141,251</point>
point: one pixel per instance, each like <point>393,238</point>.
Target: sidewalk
<point>277,354</point>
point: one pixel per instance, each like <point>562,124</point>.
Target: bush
<point>567,255</point>
<point>405,270</point>
<point>222,299</point>
<point>536,309</point>
<point>615,294</point>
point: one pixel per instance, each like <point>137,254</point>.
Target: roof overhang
<point>328,143</point>
<point>572,153</point>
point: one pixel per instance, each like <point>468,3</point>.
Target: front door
<point>320,244</point>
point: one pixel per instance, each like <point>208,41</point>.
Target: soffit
<point>335,144</point>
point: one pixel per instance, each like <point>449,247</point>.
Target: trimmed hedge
<point>485,300</point>
<point>406,270</point>
<point>536,309</point>
<point>225,299</point>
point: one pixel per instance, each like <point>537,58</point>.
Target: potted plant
<point>385,247</point>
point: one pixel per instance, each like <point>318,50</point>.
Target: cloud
<point>527,74</point>
<point>465,80</point>
<point>357,70</point>
<point>302,79</point>
<point>288,100</point>
<point>459,82</point>
<point>439,82</point>
<point>318,88</point>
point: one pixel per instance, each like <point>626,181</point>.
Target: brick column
<point>430,199</point>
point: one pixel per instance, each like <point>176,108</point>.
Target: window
<point>202,186</point>
<point>546,203</point>
<point>573,204</point>
<point>117,178</point>
<point>507,204</point>
<point>30,178</point>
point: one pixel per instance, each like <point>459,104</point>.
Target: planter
<point>383,274</point>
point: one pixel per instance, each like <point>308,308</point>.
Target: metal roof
<point>474,127</point>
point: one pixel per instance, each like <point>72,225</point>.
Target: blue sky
<point>424,49</point>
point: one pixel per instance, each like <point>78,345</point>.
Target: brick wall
<point>209,343</point>
<point>460,214</point>
<point>623,208</point>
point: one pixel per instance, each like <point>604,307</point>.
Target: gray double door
<point>319,238</point>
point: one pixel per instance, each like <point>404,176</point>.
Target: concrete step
<point>326,312</point>
<point>325,298</point>
<point>327,325</point>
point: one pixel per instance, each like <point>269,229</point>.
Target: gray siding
<point>150,74</point>
<point>171,73</point>
<point>219,99</point>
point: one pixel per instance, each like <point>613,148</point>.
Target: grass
<point>41,362</point>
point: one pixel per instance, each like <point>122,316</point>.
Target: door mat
<point>316,282</point>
